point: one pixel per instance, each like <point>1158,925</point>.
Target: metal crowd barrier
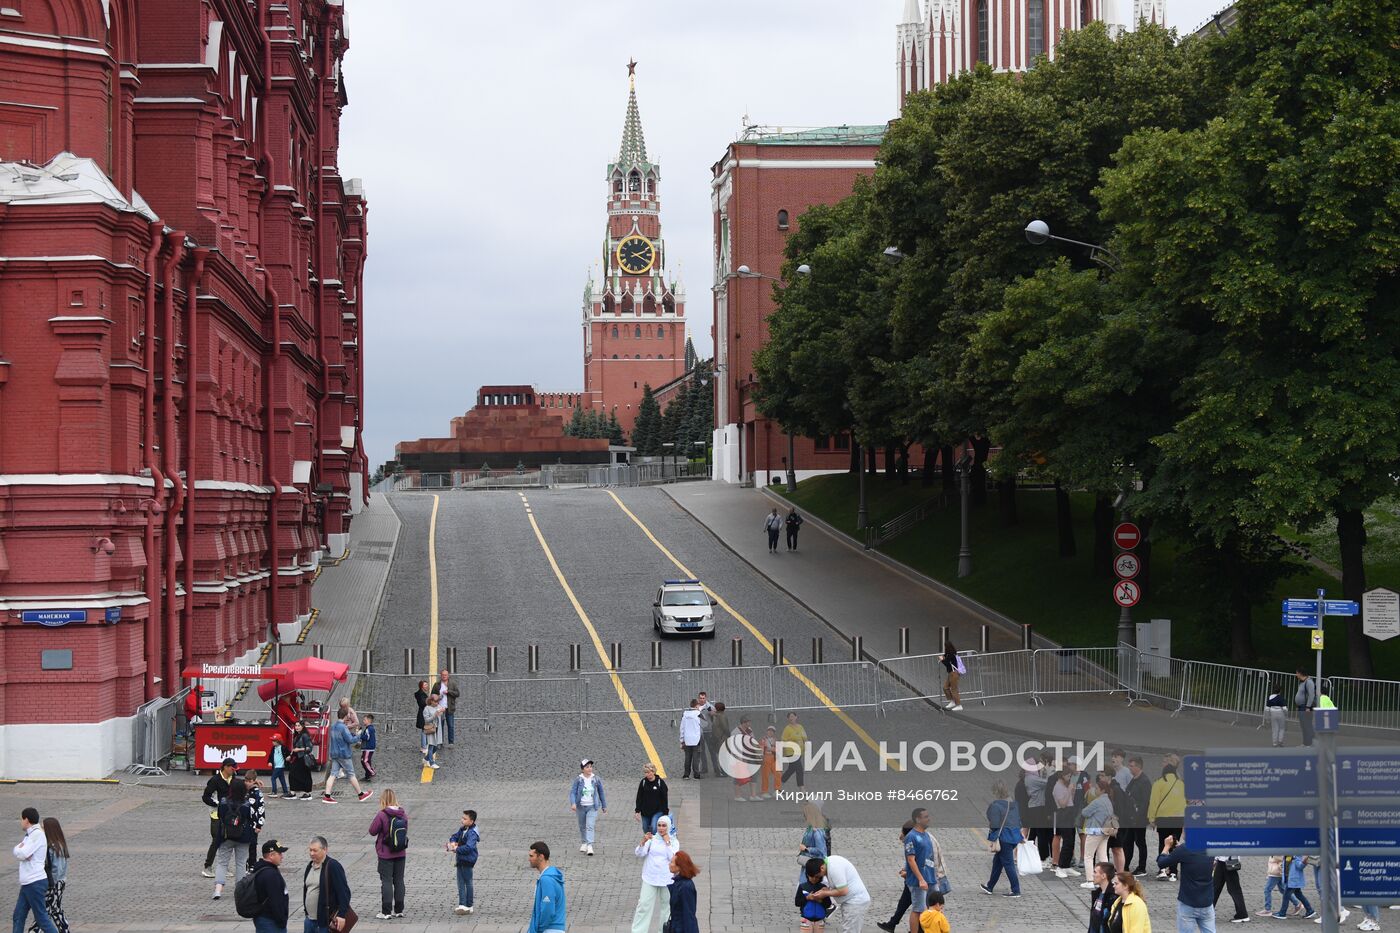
<point>154,734</point>
<point>847,684</point>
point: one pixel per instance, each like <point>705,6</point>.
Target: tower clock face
<point>635,254</point>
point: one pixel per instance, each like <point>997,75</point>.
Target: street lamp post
<point>965,485</point>
<point>744,272</point>
<point>862,519</point>
<point>1038,232</point>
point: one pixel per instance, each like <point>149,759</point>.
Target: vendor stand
<point>285,686</point>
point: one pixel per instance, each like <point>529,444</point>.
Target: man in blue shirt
<point>1195,898</point>
<point>918,866</point>
<point>341,764</point>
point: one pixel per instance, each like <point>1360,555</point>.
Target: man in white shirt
<point>841,882</point>
<point>691,733</point>
<point>33,882</point>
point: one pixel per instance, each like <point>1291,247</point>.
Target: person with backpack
<point>464,843</point>
<point>390,831</point>
<point>955,668</point>
<point>1166,809</point>
<point>235,833</point>
<point>262,894</point>
<point>216,789</point>
<point>794,525</point>
<point>774,526</point>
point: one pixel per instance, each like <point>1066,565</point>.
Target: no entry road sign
<point>1127,536</point>
<point>1234,774</point>
<point>1222,830</point>
<point>1126,593</point>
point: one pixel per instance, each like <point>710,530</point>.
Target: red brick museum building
<point>180,380</point>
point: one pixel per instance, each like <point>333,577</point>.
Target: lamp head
<point>804,269</point>
<point>1037,232</point>
<point>893,255</point>
<point>744,270</point>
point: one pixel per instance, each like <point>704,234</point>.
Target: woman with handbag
<point>1166,810</point>
<point>432,735</point>
<point>656,852</point>
<point>1003,834</point>
<point>1227,875</point>
<point>420,696</point>
<point>682,889</point>
<point>1099,823</point>
<point>299,767</point>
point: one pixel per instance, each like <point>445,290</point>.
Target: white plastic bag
<point>1028,859</point>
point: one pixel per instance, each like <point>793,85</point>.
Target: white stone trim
<point>807,163</point>
<point>230,486</point>
<point>77,601</point>
<point>88,750</point>
<point>11,39</point>
<point>75,479</point>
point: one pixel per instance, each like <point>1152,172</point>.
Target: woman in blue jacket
<point>683,918</point>
<point>1004,832</point>
<point>587,801</point>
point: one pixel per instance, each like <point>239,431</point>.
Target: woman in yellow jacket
<point>1166,809</point>
<point>1129,914</point>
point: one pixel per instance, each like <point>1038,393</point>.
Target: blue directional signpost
<point>1240,773</point>
<point>1309,613</point>
<point>1368,826</point>
<point>1368,772</point>
<point>1370,879</point>
<point>1253,828</point>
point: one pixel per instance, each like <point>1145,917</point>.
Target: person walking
<point>1129,912</point>
<point>346,714</point>
<point>656,852</point>
<point>1273,880</point>
<point>954,668</point>
<point>258,807</point>
<point>1102,898</point>
<point>905,898</point>
<point>235,833</point>
<point>919,875</point>
<point>690,736</point>
<point>813,843</point>
<point>653,798</point>
<point>464,844</point>
<point>794,746</point>
<point>549,913</point>
<point>278,761</point>
<point>749,747</point>
<point>299,767</point>
<point>771,781</point>
<point>1099,823</point>
<point>1064,816</point>
<point>1226,874</point>
<point>369,744</point>
<point>341,763</point>
<point>1276,709</point>
<point>706,749</point>
<point>325,891</point>
<point>934,920</point>
<point>216,789</point>
<point>447,688</point>
<point>1195,898</point>
<point>56,871</point>
<point>719,732</point>
<point>432,731</point>
<point>271,888</point>
<point>1003,834</point>
<point>31,851</point>
<point>1305,700</point>
<point>774,526</point>
<point>420,697</point>
<point>842,883</point>
<point>1166,808</point>
<point>793,523</point>
<point>1295,876</point>
<point>682,894</point>
<point>587,800</point>
<point>390,831</point>
<point>1139,797</point>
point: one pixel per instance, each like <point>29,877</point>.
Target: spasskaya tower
<point>634,311</point>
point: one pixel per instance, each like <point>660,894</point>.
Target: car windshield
<point>684,598</point>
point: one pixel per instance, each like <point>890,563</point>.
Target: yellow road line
<point>427,776</point>
<point>622,694</point>
<point>762,639</point>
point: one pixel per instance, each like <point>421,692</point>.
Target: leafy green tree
<point>615,435</point>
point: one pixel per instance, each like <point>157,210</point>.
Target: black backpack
<point>396,837</point>
<point>245,895</point>
<point>230,822</point>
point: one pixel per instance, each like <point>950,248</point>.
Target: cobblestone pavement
<point>497,587</point>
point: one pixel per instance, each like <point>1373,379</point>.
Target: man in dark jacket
<point>1140,793</point>
<point>1195,898</point>
<point>214,791</point>
<point>271,889</point>
<point>325,893</point>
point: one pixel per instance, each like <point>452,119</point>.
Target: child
<point>369,741</point>
<point>813,912</point>
<point>1274,880</point>
<point>464,842</point>
<point>1295,875</point>
<point>279,769</point>
<point>933,920</point>
<point>771,778</point>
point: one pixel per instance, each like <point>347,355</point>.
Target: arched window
<point>639,332</point>
<point>627,304</point>
<point>669,304</point>
<point>614,356</point>
<point>614,331</point>
<point>608,305</point>
<point>648,305</point>
<point>651,186</point>
<point>782,220</point>
<point>617,185</point>
<point>634,181</point>
<point>982,30</point>
<point>1035,28</point>
<point>660,331</point>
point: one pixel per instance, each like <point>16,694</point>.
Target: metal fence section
<point>153,733</point>
<point>917,677</point>
<point>998,674</point>
<point>648,691</point>
<point>1367,704</point>
<point>742,688</point>
<point>1083,670</point>
<point>846,684</point>
<point>536,696</point>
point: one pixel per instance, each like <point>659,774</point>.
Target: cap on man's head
<point>228,763</point>
<point>585,763</point>
<point>272,845</point>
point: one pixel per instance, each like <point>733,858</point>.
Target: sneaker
<point>460,910</point>
<point>1061,873</point>
<point>590,850</point>
<point>206,873</point>
<point>1279,916</point>
<point>764,796</point>
<point>1368,924</point>
<point>217,895</point>
<point>583,847</point>
<point>434,766</point>
<point>1162,876</point>
<point>948,705</point>
<point>956,707</point>
<point>1343,918</point>
<point>469,910</point>
<point>885,925</point>
<point>327,798</point>
<point>1244,919</point>
<point>985,889</point>
<point>1266,912</point>
<point>1087,884</point>
<point>383,916</point>
<point>365,795</point>
<point>1046,864</point>
<point>289,796</point>
<point>1011,894</point>
<point>1071,872</point>
<point>1318,920</point>
<point>305,796</point>
<point>1314,916</point>
<point>1140,873</point>
<point>396,914</point>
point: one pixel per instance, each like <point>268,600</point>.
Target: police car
<point>682,607</point>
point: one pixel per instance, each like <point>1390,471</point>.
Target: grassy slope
<point>1017,572</point>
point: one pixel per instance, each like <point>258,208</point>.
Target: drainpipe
<point>174,648</point>
<point>271,358</point>
<point>320,241</point>
<point>148,438</point>
<point>193,277</point>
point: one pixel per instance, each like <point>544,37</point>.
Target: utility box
<point>1154,640</point>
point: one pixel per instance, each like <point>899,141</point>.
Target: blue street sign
<point>1221,830</point>
<point>53,618</point>
<point>1340,607</point>
<point>1299,620</point>
<point>114,613</point>
<point>1300,605</point>
<point>1368,826</point>
<point>1227,774</point>
<point>1368,773</point>
<point>1326,720</point>
<point>1370,877</point>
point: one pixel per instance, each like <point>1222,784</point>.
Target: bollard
<point>984,645</point>
<point>1026,638</point>
<point>367,660</point>
<point>857,648</point>
<point>942,638</point>
<point>817,650</point>
<point>575,658</point>
<point>532,658</point>
<point>318,651</point>
<point>616,655</point>
<point>408,667</point>
<point>452,659</point>
<point>656,655</point>
<point>777,652</point>
<point>491,659</point>
<point>695,654</point>
<point>736,651</point>
<point>903,640</point>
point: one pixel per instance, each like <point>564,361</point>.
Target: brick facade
<point>180,385</point>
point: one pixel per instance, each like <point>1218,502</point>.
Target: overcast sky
<point>482,131</point>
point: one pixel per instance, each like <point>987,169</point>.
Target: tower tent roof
<point>634,144</point>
